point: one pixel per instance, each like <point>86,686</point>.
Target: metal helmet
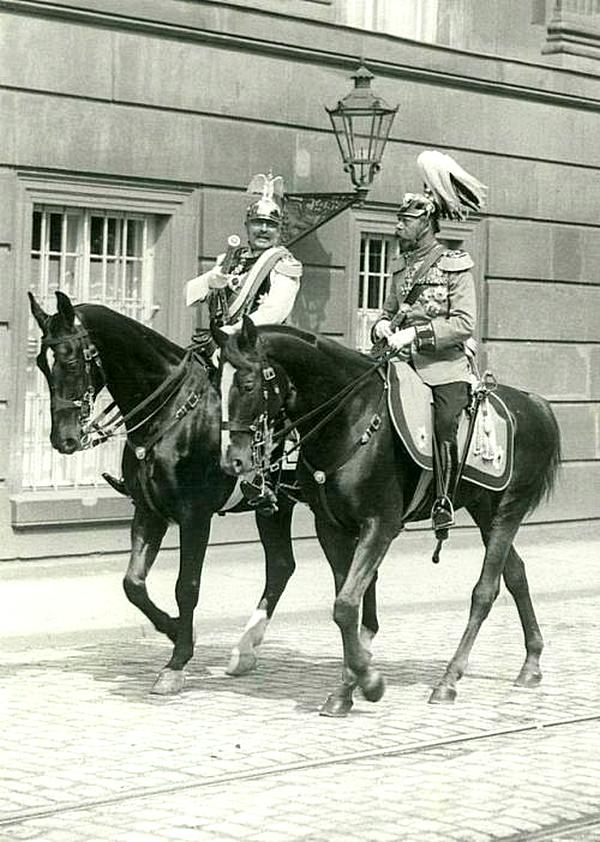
<point>269,203</point>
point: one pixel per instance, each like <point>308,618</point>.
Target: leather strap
<point>413,293</point>
<point>263,266</point>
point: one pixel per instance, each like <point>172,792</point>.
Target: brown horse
<point>359,479</point>
<point>170,462</point>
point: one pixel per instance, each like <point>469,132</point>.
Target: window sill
<point>31,509</point>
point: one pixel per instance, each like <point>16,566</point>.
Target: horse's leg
<point>369,624</point>
<point>515,579</point>
<point>499,541</point>
<point>147,532</point>
<point>275,535</point>
<point>516,582</point>
<point>193,531</point>
<point>338,546</point>
<point>373,542</point>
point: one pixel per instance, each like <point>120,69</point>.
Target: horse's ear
<point>249,335</point>
<point>65,308</point>
<point>38,313</point>
<point>218,335</point>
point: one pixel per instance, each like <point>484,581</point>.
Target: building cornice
<point>485,74</point>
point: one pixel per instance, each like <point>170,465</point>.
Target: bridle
<point>110,420</point>
<point>262,429</point>
<point>91,359</point>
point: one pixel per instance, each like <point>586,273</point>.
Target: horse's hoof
<point>169,683</point>
<point>241,663</point>
<point>374,686</point>
<point>337,706</point>
<point>526,678</point>
<point>443,695</point>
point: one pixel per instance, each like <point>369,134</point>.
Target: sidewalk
<point>60,601</point>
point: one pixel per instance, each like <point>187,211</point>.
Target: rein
<point>112,426</point>
<point>342,397</point>
<point>96,431</point>
<point>262,429</point>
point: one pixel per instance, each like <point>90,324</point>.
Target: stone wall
<point>198,96</point>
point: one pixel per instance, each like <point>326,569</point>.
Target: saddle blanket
<point>490,459</point>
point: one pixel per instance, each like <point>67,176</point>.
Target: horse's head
<point>72,372</point>
<point>253,394</point>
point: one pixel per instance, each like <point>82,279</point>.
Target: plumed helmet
<point>269,204</point>
<point>452,191</point>
<point>416,204</point>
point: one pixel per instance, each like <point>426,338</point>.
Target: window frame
<point>41,468</point>
<point>178,207</point>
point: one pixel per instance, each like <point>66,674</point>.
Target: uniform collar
<point>419,253</point>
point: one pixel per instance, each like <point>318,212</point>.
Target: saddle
<point>489,461</point>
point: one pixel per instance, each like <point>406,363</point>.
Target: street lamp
<point>362,121</point>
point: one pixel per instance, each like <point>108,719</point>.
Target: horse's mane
<point>338,353</point>
<point>103,318</point>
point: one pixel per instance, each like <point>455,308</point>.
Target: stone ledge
<point>574,35</point>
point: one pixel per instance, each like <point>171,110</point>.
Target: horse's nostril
<point>237,466</point>
<point>68,445</point>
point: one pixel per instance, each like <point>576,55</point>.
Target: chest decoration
<point>241,267</point>
<point>433,292</point>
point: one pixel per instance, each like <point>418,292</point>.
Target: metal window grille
<point>104,257</point>
<point>375,251</point>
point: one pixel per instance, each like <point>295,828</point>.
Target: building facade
<point>131,128</point>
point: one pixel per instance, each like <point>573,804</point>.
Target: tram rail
<point>549,832</point>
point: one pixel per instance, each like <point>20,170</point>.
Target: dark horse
<point>170,463</point>
<point>358,479</point>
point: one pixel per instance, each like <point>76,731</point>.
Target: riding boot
<point>442,512</point>
<point>259,494</point>
<point>117,484</point>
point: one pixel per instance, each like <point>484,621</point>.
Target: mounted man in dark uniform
<point>429,313</point>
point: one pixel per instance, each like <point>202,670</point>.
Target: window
<point>415,19</point>
<point>104,257</point>
<point>373,276</point>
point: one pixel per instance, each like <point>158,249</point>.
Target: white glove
<point>383,329</point>
<point>400,339</point>
<point>217,279</point>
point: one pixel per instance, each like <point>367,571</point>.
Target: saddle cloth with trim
<point>490,459</point>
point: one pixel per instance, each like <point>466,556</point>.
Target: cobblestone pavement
<point>87,754</point>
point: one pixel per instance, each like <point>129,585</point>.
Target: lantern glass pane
<point>361,131</point>
<point>337,121</point>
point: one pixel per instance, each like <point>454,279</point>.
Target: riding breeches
<point>449,400</point>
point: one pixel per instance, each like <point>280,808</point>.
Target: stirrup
<point>442,516</point>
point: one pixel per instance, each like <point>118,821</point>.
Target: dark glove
<point>204,343</point>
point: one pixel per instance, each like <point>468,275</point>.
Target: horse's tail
<point>548,442</point>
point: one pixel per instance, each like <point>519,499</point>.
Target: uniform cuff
<point>425,340</point>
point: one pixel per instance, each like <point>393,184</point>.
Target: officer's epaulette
<point>455,261</point>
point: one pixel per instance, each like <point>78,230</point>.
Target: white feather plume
<point>453,189</point>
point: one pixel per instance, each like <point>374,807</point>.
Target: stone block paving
<point>87,754</point>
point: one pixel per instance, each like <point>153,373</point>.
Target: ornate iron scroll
<point>305,212</point>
